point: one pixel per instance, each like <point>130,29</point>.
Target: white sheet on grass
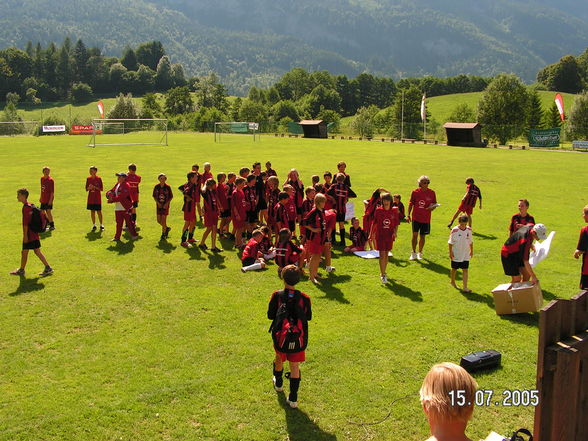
<point>371,254</point>
<point>349,211</point>
<point>541,250</point>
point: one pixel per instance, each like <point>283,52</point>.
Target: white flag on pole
<point>424,108</point>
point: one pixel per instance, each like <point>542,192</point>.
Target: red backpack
<point>289,328</point>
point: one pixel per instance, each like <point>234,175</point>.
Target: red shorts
<point>384,244</point>
<point>210,219</point>
<point>314,248</point>
<point>467,209</point>
<point>190,216</point>
<point>297,357</point>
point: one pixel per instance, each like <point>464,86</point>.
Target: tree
<point>151,107</point>
<point>463,113</point>
<point>64,70</point>
<point>503,108</point>
<point>117,71</point>
<point>552,118</point>
<point>12,98</point>
<point>331,117</point>
<point>163,78</point>
<point>178,100</point>
<point>236,108</point>
<point>150,53</point>
<point>252,112</point>
<point>124,108</point>
<point>81,93</point>
<point>406,119</point>
<point>11,114</point>
<point>80,59</point>
<point>320,97</point>
<point>363,123</point>
<point>129,59</point>
<point>177,75</point>
<point>578,119</point>
<point>31,96</point>
<point>563,76</point>
<point>535,120</point>
<point>283,109</point>
<point>146,78</point>
<point>210,93</point>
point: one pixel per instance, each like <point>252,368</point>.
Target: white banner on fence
<point>47,129</point>
<point>580,144</point>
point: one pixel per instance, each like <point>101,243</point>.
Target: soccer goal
<point>235,128</point>
<point>138,131</point>
<point>13,128</point>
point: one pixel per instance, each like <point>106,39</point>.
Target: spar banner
<point>544,137</point>
<point>79,129</point>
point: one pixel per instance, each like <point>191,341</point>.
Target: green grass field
<point>149,341</point>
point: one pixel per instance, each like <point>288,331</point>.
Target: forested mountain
<point>254,42</point>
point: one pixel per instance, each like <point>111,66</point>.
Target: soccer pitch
<point>149,341</point>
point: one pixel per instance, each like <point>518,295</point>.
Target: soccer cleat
<point>203,246</point>
<point>293,404</point>
<point>134,237</point>
<point>102,228</point>
<point>316,282</point>
<point>216,250</point>
<point>330,269</point>
<point>18,272</point>
<point>192,240</point>
<point>278,384</point>
<point>419,256</point>
<point>47,271</point>
<point>413,256</point>
<point>243,270</point>
<point>167,230</point>
<point>384,279</point>
<point>94,228</point>
<point>51,228</point>
<point>186,245</point>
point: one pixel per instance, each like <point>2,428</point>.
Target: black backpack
<point>289,328</point>
<point>38,221</point>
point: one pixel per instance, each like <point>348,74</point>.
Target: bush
<point>81,93</point>
<point>51,120</point>
<point>10,114</point>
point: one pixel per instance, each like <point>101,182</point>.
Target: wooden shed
<point>464,134</point>
<point>314,128</point>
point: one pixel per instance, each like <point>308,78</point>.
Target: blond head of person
<point>448,396</point>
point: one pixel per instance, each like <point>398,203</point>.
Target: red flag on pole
<point>101,109</point>
<point>559,102</point>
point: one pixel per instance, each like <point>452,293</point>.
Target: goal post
<point>236,128</point>
<point>128,131</point>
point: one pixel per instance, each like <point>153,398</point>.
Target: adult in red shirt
<point>120,195</point>
<point>133,179</point>
<point>384,229</point>
<point>582,250</point>
<point>239,211</point>
<point>94,187</point>
<point>422,202</point>
<point>47,196</point>
<point>30,238</point>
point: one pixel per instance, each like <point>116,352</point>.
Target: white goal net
<point>139,131</point>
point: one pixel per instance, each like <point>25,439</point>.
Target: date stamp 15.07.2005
<point>488,397</point>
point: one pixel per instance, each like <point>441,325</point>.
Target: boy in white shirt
<point>461,249</point>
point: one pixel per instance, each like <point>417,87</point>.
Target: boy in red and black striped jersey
<point>133,179</point>
<point>358,237</point>
<point>269,170</point>
<point>298,187</point>
<point>316,234</point>
<point>521,218</point>
<point>468,202</point>
<point>162,195</point>
<point>291,208</point>
<point>265,246</point>
<point>47,196</point>
<point>292,297</point>
<point>281,211</point>
<point>582,250</point>
<point>324,188</point>
<point>211,212</point>
<point>307,205</point>
<point>252,259</point>
<point>340,194</point>
<point>94,187</point>
<point>231,177</point>
<point>189,190</point>
<point>287,253</point>
<point>516,250</point>
<point>341,167</point>
<point>272,193</point>
<point>30,239</point>
<point>239,211</point>
<point>250,192</point>
<point>222,196</point>
<point>199,183</point>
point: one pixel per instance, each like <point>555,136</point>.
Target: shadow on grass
<point>216,261</point>
<point>94,235</point>
<point>398,262</point>
<point>481,298</point>
<point>194,253</point>
<point>548,295</point>
<point>528,318</point>
<point>327,285</point>
<point>485,236</point>
<point>165,246</point>
<point>27,285</point>
<point>299,425</point>
<point>121,247</point>
<point>404,291</point>
<point>432,266</point>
